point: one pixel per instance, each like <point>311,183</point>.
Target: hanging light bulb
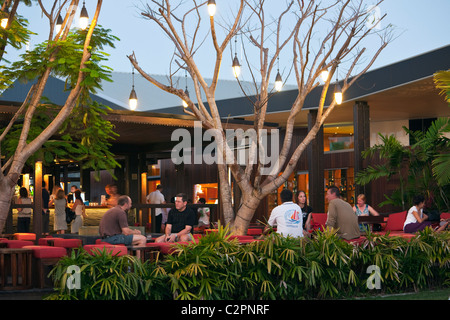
<point>4,22</point>
<point>84,18</point>
<point>211,8</point>
<point>132,101</point>
<point>278,80</point>
<point>186,92</point>
<point>338,93</point>
<point>236,67</point>
<point>185,104</point>
<point>59,23</point>
<point>324,75</point>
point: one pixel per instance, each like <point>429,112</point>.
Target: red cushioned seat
<point>170,247</point>
<point>25,236</point>
<point>44,241</point>
<point>67,243</point>
<point>254,232</point>
<point>15,244</point>
<point>318,220</point>
<point>395,221</point>
<point>445,215</point>
<point>47,252</point>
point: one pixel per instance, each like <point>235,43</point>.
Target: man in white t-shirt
<point>287,216</point>
<point>156,197</point>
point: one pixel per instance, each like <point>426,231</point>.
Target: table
<point>143,252</point>
<point>370,219</point>
<point>15,268</point>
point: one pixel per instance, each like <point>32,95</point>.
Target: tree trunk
<point>6,194</point>
<point>245,214</point>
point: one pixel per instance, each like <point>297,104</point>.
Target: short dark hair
<point>23,192</point>
<point>202,200</point>
<point>123,200</point>
<point>335,190</point>
<point>418,199</point>
<point>183,196</point>
<point>159,187</point>
<point>286,195</point>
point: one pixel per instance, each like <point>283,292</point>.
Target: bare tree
<point>323,35</point>
<point>12,168</point>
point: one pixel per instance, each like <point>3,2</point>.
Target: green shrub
<point>277,268</point>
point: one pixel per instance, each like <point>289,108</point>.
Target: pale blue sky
<point>421,26</point>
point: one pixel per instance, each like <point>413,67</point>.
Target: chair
<point>395,221</point>
<point>44,258</point>
<point>16,244</point>
<point>319,220</point>
<point>254,232</point>
<point>69,244</point>
<point>25,236</point>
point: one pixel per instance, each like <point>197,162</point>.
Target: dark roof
<point>377,80</point>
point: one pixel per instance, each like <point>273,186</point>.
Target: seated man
<point>287,217</point>
<point>180,222</point>
<point>341,216</point>
<point>114,225</point>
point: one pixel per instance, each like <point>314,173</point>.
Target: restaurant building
<point>383,101</point>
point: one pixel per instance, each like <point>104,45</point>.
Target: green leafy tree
<point>72,55</point>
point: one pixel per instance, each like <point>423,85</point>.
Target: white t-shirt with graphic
<point>288,219</point>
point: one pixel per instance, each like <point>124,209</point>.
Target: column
<point>316,167</point>
<point>37,211</point>
<point>361,124</point>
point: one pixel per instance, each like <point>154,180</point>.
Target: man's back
<point>342,217</point>
<point>112,222</point>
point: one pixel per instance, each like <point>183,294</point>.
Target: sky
<point>420,26</point>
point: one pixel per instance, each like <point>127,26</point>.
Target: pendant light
<point>278,79</point>
<point>84,18</point>
<point>59,23</point>
<point>4,22</point>
<point>132,101</point>
<point>236,65</point>
<point>337,92</point>
<point>211,8</point>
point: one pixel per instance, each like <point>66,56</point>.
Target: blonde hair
<point>362,197</point>
<point>60,194</point>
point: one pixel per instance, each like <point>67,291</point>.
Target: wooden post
<point>361,124</point>
<point>316,167</point>
<point>37,212</point>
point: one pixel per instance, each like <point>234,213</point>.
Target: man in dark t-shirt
<point>180,222</point>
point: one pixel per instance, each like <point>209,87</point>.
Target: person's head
<point>60,194</point>
<point>180,201</point>
<point>73,188</point>
<point>78,195</point>
<point>23,192</point>
<point>301,198</point>
<point>202,200</point>
<point>419,200</point>
<point>124,202</point>
<point>107,189</point>
<point>113,189</point>
<point>361,199</point>
<point>44,185</point>
<point>333,193</point>
<point>286,195</point>
<point>159,187</point>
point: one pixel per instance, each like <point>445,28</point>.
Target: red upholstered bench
<point>318,221</point>
<point>254,232</point>
<point>100,241</point>
<point>44,241</point>
<point>44,257</point>
<point>25,236</point>
<point>170,247</point>
<point>15,244</point>
<point>96,249</point>
<point>241,238</point>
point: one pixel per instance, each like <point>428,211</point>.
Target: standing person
<point>204,219</point>
<point>24,214</point>
<point>114,225</point>
<point>180,222</point>
<point>416,219</point>
<point>60,203</point>
<point>71,195</point>
<point>80,213</point>
<point>341,215</point>
<point>45,209</point>
<point>156,197</point>
<point>114,195</point>
<point>306,209</point>
<point>287,217</point>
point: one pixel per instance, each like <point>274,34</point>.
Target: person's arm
<point>373,212</point>
<point>127,231</point>
<point>308,222</point>
<point>169,237</point>
<point>331,217</point>
<point>418,218</point>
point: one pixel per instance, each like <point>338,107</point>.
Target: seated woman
<point>416,220</point>
<point>361,208</point>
